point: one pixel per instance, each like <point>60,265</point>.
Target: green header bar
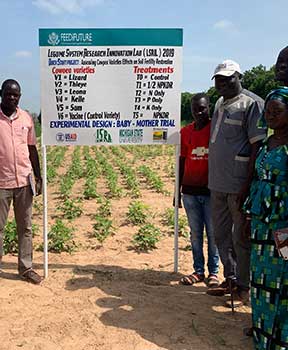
<point>111,37</point>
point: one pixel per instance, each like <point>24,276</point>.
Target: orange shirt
<point>15,136</point>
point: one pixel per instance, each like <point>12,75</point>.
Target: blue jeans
<point>198,212</point>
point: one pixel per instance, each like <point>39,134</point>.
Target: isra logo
<point>53,39</point>
<point>103,135</point>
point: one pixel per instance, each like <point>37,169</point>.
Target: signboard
<point>110,86</point>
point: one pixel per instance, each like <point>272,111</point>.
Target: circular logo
<point>60,137</point>
<point>53,39</point>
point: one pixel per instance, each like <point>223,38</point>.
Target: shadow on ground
<point>172,316</point>
<point>153,304</point>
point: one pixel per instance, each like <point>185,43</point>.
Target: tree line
<point>258,80</point>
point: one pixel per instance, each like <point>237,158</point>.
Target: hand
<point>283,244</point>
<point>246,233</point>
<point>179,201</point>
<point>242,195</point>
<point>38,186</point>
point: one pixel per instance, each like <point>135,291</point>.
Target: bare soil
<point>109,296</point>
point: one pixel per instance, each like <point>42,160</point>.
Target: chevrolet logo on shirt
<point>200,151</point>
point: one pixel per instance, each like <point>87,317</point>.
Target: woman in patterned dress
<point>267,208</point>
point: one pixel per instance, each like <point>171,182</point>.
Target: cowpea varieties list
<point>110,86</point>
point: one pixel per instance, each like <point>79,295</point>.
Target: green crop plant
<point>130,176</point>
<point>10,239</point>
<point>144,152</point>
<point>51,173</point>
<point>55,158</point>
<point>152,178</point>
<point>114,189</point>
<point>105,150</point>
<point>170,168</point>
<point>71,208</point>
<point>66,185</point>
<point>76,169</point>
<point>157,184</point>
<point>60,238</point>
<point>102,228</point>
<point>58,156</point>
<point>92,168</point>
<point>37,206</point>
<point>138,212</point>
<point>182,226</point>
<point>86,152</point>
<point>146,238</point>
<point>169,219</point>
<point>132,184</point>
<point>118,153</point>
<point>105,209</point>
<point>170,150</point>
<point>109,172</point>
<point>90,189</point>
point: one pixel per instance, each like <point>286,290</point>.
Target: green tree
<point>185,107</point>
<point>213,97</point>
<point>259,80</point>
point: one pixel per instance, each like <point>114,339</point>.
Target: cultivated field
<point>109,288</point>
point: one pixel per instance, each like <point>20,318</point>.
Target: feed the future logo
<point>53,39</point>
<point>103,135</point>
<point>72,38</point>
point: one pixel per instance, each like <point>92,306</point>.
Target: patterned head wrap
<point>280,94</point>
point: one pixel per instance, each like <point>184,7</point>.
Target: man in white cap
<point>234,141</point>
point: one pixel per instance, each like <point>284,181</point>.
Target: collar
<point>193,125</point>
<point>230,100</point>
<point>12,116</point>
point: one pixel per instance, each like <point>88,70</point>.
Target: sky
<point>251,32</point>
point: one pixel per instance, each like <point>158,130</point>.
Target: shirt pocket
<point>240,170</point>
<point>21,133</point>
<point>232,127</point>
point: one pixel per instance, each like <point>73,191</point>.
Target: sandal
<point>248,331</point>
<point>191,279</point>
<point>212,281</point>
<point>31,276</point>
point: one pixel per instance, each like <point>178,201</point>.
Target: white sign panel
<point>110,86</point>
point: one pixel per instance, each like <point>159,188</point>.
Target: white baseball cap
<point>227,68</point>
